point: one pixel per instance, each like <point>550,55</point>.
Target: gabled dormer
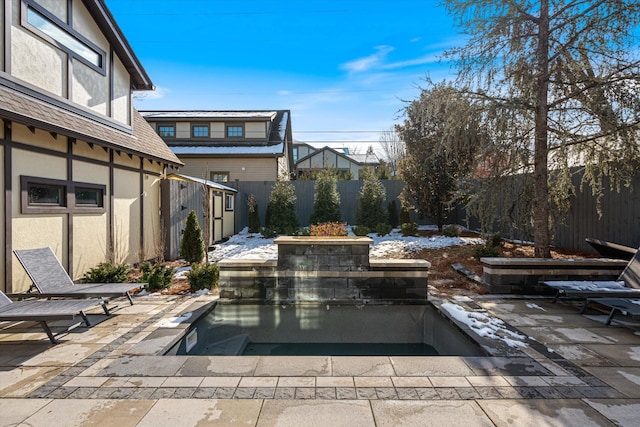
<point>73,55</point>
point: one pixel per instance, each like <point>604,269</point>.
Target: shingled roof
<point>144,141</point>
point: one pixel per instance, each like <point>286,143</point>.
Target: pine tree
<point>192,245</point>
<point>371,208</point>
<point>326,206</point>
<point>281,211</point>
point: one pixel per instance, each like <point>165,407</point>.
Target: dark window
<point>235,131</point>
<point>219,176</point>
<point>228,202</point>
<point>200,131</point>
<point>90,197</point>
<point>167,131</point>
<point>43,195</point>
<point>36,18</point>
<point>46,194</point>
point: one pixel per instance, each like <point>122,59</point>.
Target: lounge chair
<point>42,311</point>
<point>626,307</point>
<point>627,285</point>
<point>50,279</point>
<point>611,250</point>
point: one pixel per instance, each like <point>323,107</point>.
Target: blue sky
<point>343,67</point>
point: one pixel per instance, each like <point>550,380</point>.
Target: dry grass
<point>446,281</point>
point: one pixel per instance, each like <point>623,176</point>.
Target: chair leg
<point>610,318</point>
<point>105,308</point>
<point>584,307</point>
<point>85,319</point>
<point>49,333</point>
<point>130,299</point>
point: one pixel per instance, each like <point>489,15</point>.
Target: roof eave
<point>140,80</point>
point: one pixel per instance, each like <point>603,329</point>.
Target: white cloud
<point>158,93</point>
<point>368,62</point>
<point>427,59</point>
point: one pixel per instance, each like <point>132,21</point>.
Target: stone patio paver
<point>589,375</point>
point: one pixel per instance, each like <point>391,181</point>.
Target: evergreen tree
<point>326,206</point>
<point>281,211</point>
<point>192,245</point>
<point>371,204</point>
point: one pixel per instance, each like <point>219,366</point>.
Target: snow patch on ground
<point>247,245</point>
<point>534,306</point>
<point>485,325</point>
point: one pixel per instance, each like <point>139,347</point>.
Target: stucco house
<point>227,146</point>
<point>310,159</point>
<point>81,168</point>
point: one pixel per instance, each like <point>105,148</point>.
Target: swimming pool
<point>322,329</point>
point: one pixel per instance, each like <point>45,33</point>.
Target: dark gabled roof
<point>144,141</point>
<point>171,115</point>
<point>103,17</point>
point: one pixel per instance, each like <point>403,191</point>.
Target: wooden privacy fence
<point>305,191</point>
<point>620,221</point>
<point>178,199</point>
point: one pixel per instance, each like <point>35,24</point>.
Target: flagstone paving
<point>574,371</point>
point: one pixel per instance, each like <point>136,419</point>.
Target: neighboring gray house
<point>310,159</point>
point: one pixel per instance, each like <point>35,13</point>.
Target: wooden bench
<point>523,275</point>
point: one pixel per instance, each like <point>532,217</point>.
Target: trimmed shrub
<point>451,231</point>
<point>203,276</point>
<point>107,272</point>
<point>486,251</point>
<point>192,245</point>
<point>268,232</point>
<point>326,203</point>
<point>409,229</point>
<point>494,240</point>
<point>158,276</point>
<point>371,204</point>
<point>361,230</point>
<point>382,229</point>
<point>254,215</point>
<point>281,211</point>
<point>330,229</point>
<point>392,213</point>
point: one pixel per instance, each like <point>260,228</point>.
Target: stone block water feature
<point>324,269</point>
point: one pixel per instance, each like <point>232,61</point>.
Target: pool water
<point>338,349</point>
<point>325,330</point>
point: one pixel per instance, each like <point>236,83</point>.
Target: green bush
<point>326,203</point>
<point>392,213</point>
<point>203,276</point>
<point>254,215</point>
<point>486,251</point>
<point>192,245</point>
<point>269,232</point>
<point>158,276</point>
<point>106,272</point>
<point>494,240</point>
<point>361,230</point>
<point>451,231</point>
<point>382,229</point>
<point>409,229</point>
<point>281,210</point>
